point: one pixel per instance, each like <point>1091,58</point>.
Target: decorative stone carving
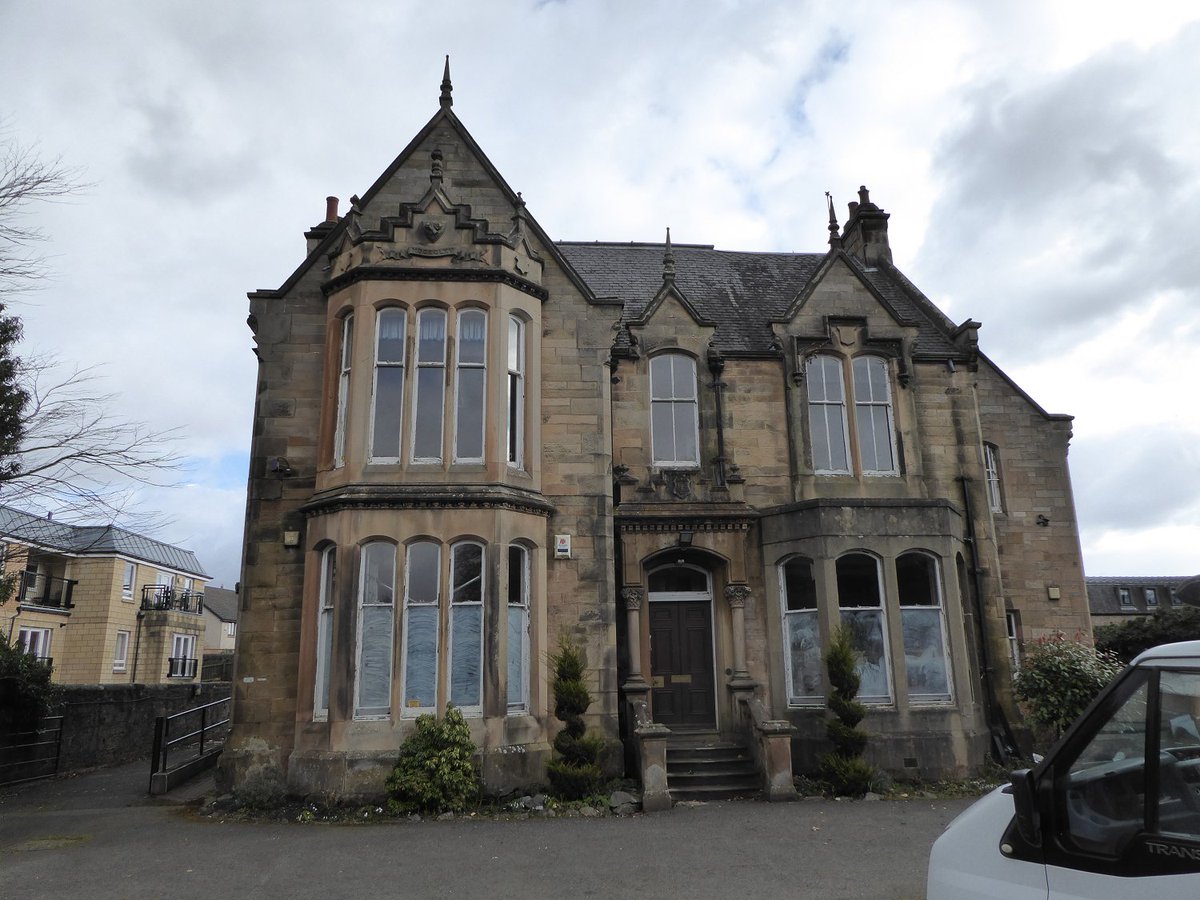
<point>737,595</point>
<point>632,597</point>
<point>432,230</point>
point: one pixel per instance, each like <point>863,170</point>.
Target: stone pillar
<point>736,595</point>
<point>633,621</point>
<point>652,739</point>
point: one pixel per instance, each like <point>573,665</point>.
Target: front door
<point>681,663</point>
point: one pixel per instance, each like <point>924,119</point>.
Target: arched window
<point>470,387</point>
<point>926,667</point>
<point>343,396</point>
<point>516,392</point>
<point>801,633</point>
<point>827,415</point>
<point>421,589</point>
<point>518,629</point>
<point>376,617</point>
<point>325,597</point>
<point>466,626</point>
<point>860,604</point>
<point>674,420</point>
<point>388,398</point>
<point>430,386</point>
<point>873,416</point>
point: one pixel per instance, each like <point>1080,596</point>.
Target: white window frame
<point>408,709</point>
<point>463,430</point>
<point>456,605</point>
<point>422,365</point>
<point>818,697</point>
<point>1151,595</point>
<point>362,712</point>
<point>940,605</point>
<point>121,652</point>
<point>129,581</point>
<point>1125,597</point>
<point>515,420</point>
<point>381,365</point>
<point>886,663</point>
<point>832,409</point>
<point>870,404</point>
<point>325,598</point>
<point>35,641</point>
<point>671,396</point>
<point>345,360</point>
<point>231,629</point>
<point>183,647</point>
<point>518,612</point>
<point>991,468</point>
<point>1012,626</point>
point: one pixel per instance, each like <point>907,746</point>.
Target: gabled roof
<point>95,540</point>
<point>742,292</point>
<point>221,603</point>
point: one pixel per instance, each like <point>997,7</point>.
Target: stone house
<point>472,441</point>
<point>104,604</point>
<point>1114,599</point>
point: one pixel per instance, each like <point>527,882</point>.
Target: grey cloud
<point>1136,479</point>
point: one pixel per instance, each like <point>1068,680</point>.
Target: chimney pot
<point>331,209</point>
<point>864,196</point>
<point>853,208</point>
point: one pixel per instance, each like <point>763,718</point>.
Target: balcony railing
<point>49,591</point>
<point>163,596</point>
<point>181,667</point>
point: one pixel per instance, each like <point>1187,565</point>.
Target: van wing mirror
<point>1024,794</point>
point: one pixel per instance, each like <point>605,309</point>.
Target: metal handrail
<point>48,591</point>
<point>164,743</point>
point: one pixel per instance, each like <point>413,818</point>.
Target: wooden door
<point>681,663</point>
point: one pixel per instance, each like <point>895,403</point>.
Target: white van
<point>1113,811</point>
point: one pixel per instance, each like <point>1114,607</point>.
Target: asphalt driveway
<point>99,835</point>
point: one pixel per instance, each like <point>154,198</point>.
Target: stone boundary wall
<point>107,724</point>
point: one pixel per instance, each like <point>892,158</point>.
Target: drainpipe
<point>716,365</point>
<point>137,643</point>
<point>1004,746</point>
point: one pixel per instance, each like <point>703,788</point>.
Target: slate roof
<point>1103,599</point>
<point>96,540</point>
<point>221,603</point>
<point>740,291</point>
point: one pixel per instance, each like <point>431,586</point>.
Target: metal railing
<point>207,724</point>
<point>49,591</point>
<point>181,667</point>
<point>30,755</point>
<point>164,596</point>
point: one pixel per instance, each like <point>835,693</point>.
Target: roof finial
<point>835,239</point>
<point>446,100</point>
<point>669,259</point>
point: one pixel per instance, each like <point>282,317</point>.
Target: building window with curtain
<point>926,667</point>
<point>343,391</point>
<point>860,604</point>
<point>376,615</point>
<point>429,405</point>
<point>327,576</point>
<point>421,592</point>
<point>674,416</point>
<point>518,629</point>
<point>801,633</point>
<point>470,386</point>
<point>388,395</point>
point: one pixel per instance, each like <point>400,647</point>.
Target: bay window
<point>921,620</point>
<point>466,625</point>
<point>860,603</point>
<point>325,597</point>
<point>516,392</point>
<point>801,633</point>
<point>429,406</point>
<point>518,629</point>
<point>376,589</point>
<point>422,582</point>
<point>388,396</point>
<point>343,392</point>
<point>470,387</point>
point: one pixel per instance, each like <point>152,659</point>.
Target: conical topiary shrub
<point>575,772</point>
<point>843,768</point>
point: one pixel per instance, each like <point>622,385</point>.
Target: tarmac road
<point>99,835</point>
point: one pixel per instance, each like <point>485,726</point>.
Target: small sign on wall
<point>562,546</point>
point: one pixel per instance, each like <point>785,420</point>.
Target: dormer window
<point>674,418</point>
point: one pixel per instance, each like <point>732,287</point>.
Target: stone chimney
<point>865,235</point>
<point>318,232</point>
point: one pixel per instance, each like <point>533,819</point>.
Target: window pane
<point>472,337</point>
<point>420,661</point>
<point>1179,730</point>
<point>389,399</point>
<point>518,593</point>
<point>515,363</point>
<point>375,661</point>
<point>390,340</point>
<point>468,442</point>
<point>683,371</point>
<point>685,432</point>
<point>661,428</point>
<point>857,580</point>
<point>916,580</point>
<point>427,424</point>
<point>800,590</point>
<point>431,337</point>
<point>828,438</point>
<point>466,636</point>
<point>678,579</point>
<point>660,378</point>
<point>422,572</point>
<point>467,577</point>
<point>924,654</point>
<point>518,628</point>
<point>866,627</point>
<point>824,377</point>
<point>379,573</point>
<point>874,438</point>
<point>805,670</point>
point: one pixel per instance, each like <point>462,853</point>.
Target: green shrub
<point>843,769</point>
<point>436,769</point>
<point>576,773</point>
<point>1167,625</point>
<point>26,692</point>
<point>1058,678</point>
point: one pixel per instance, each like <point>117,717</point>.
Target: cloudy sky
<point>1041,161</point>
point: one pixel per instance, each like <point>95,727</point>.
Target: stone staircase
<point>703,767</point>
